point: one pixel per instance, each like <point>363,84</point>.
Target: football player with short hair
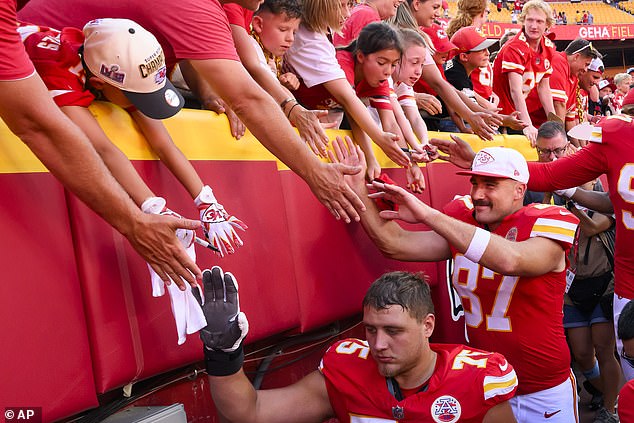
<point>394,375</point>
<point>509,270</point>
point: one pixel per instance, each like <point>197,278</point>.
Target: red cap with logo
<point>470,38</point>
<point>439,38</point>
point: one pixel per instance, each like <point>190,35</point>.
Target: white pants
<point>619,303</point>
<point>553,405</point>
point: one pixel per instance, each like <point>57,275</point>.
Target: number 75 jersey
<point>519,317</point>
<point>465,385</point>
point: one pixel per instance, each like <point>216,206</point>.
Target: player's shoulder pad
<point>552,222</point>
<point>610,126</point>
<point>342,352</point>
<point>545,210</point>
<point>500,382</point>
<point>460,205</point>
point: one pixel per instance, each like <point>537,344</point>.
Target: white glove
<point>218,226</point>
<point>188,316</point>
<point>568,192</point>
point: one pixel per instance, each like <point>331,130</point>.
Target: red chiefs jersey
<point>519,317</point>
<point>610,151</point>
<point>617,102</point>
<point>55,56</point>
<point>563,86</point>
<point>482,81</point>
<point>465,384</point>
<point>516,56</point>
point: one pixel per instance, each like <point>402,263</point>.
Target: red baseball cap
<point>439,38</point>
<point>470,38</point>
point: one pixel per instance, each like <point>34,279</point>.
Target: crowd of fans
<point>388,70</point>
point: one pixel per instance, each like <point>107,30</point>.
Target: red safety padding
<point>132,334</point>
<point>334,262</point>
<point>445,184</point>
<point>45,359</point>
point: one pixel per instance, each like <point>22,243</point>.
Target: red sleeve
<point>354,24</point>
<point>14,62</point>
<point>500,380</point>
<point>571,171</point>
<point>238,15</point>
<point>559,83</point>
<point>513,60</point>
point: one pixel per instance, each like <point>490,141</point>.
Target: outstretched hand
<point>154,238</point>
<point>310,128</point>
<point>458,151</point>
<point>226,324</point>
<point>346,152</point>
<point>410,209</point>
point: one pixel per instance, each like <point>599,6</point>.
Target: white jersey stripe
<point>499,385</point>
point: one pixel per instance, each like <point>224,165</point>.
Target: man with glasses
<point>552,143</point>
<point>567,66</point>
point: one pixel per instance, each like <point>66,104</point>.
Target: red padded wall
<point>132,333</point>
<point>45,357</point>
<point>334,262</point>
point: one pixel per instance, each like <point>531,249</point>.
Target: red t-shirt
<point>516,56</point>
<point>238,15</point>
<point>14,62</point>
<point>55,56</point>
<point>482,80</point>
<point>517,316</point>
<point>626,401</point>
<point>186,29</point>
<point>377,97</point>
<point>465,384</point>
<point>610,151</point>
<point>563,86</point>
<point>361,16</point>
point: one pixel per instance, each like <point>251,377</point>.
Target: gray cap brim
<point>160,104</point>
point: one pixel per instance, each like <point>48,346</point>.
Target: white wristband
<point>568,193</point>
<point>478,245</point>
<point>206,196</point>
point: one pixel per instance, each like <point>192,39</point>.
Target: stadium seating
<point>602,12</point>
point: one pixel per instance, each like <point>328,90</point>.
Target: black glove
<point>226,325</point>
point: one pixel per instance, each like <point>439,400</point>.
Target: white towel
<point>188,315</point>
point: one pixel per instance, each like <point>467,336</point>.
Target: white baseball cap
<point>499,162</point>
<point>125,55</point>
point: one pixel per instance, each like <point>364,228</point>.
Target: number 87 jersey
<point>519,317</point>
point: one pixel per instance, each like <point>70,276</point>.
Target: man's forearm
<point>451,98</point>
<point>234,397</point>
<point>65,151</point>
